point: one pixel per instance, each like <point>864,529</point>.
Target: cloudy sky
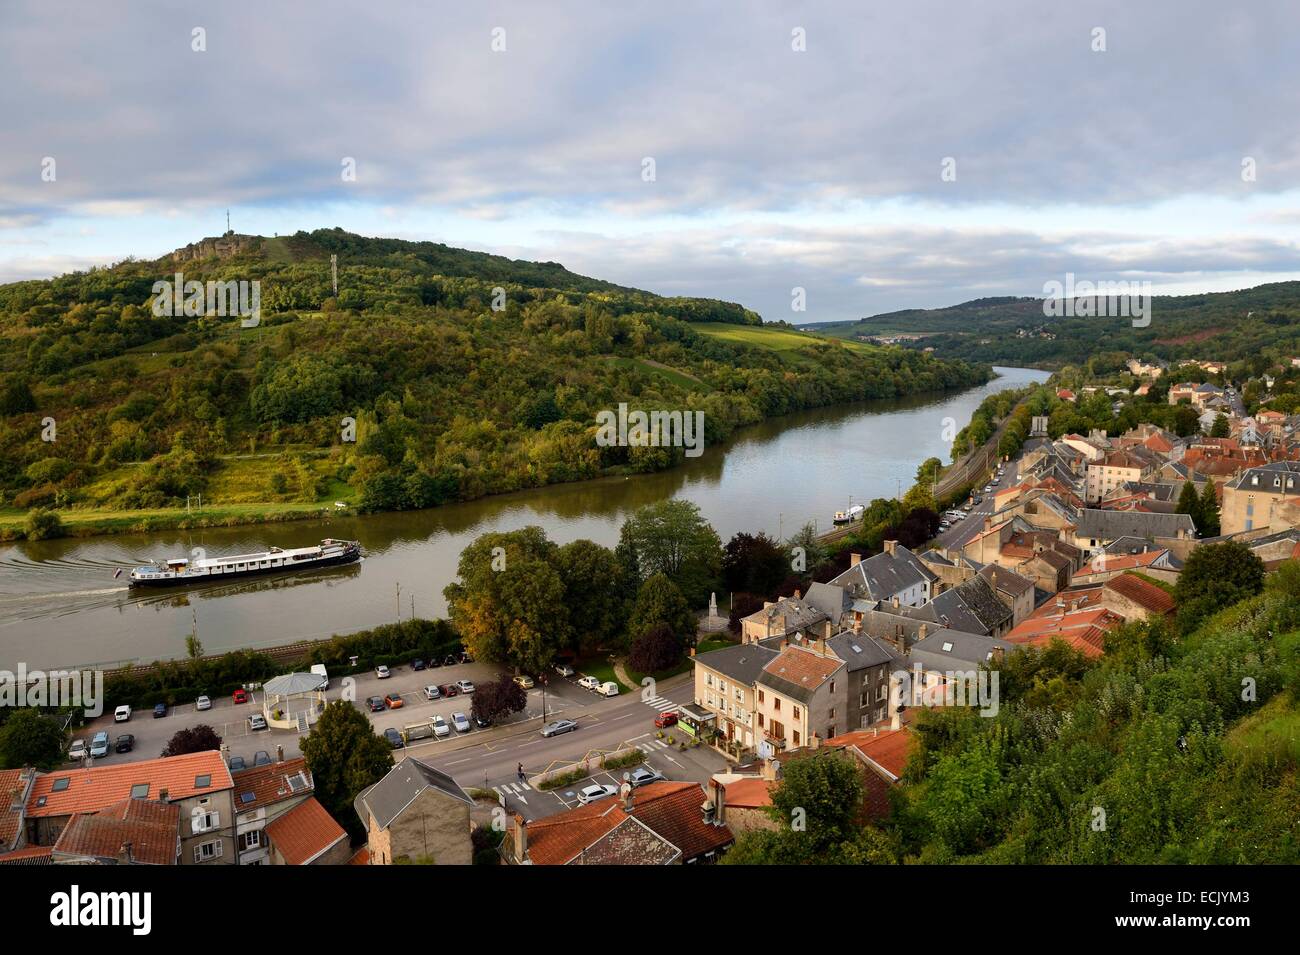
<point>774,167</point>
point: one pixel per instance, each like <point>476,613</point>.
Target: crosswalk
<point>514,789</point>
<point>651,746</point>
<point>661,704</point>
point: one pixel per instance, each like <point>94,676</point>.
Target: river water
<point>60,606</point>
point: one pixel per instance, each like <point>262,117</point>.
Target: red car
<point>240,696</point>
<point>449,689</point>
<point>665,719</point>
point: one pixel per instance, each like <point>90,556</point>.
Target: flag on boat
<point>117,573</point>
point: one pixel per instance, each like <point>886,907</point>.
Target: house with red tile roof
<point>307,835</point>
<point>263,794</point>
<point>1084,630</point>
<point>199,783</point>
<point>130,832</point>
<point>15,786</point>
<point>664,823</point>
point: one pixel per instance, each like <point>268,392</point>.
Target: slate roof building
<point>415,813</point>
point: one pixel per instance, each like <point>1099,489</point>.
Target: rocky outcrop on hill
<point>220,246</point>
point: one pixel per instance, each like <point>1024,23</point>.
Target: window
<point>832,686</point>
<point>760,696</point>
<point>205,821</point>
<point>140,791</point>
<point>830,731</point>
<point>250,840</point>
<point>740,695</point>
<point>60,784</point>
<point>760,720</point>
<point>796,737</point>
<point>208,851</point>
<point>832,714</point>
<point>202,782</point>
<point>722,685</point>
<point>795,711</point>
<point>776,703</point>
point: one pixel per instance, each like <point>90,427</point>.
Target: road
<point>961,533</point>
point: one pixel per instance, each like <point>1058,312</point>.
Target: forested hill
<point>1260,324</point>
<point>452,398</point>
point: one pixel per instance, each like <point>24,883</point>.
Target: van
<point>320,671</point>
<point>417,731</point>
<point>608,688</point>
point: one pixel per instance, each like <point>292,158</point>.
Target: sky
<point>876,155</point>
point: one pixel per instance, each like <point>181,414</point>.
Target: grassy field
<point>774,339</point>
<point>680,379</point>
<point>1273,731</point>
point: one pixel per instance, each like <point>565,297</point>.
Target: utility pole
<point>399,602</point>
<point>334,273</point>
<point>227,220</point>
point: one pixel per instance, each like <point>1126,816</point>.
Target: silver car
<point>460,722</point>
<point>99,745</point>
<point>595,791</point>
<point>556,727</point>
<point>644,775</point>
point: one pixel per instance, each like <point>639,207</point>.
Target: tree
<point>1215,576</point>
<point>1188,502</point>
<point>30,738</point>
<point>344,756</point>
<point>1207,514</point>
<point>753,563</point>
<point>742,605</point>
<point>806,548</point>
<point>192,739</point>
<point>660,602</point>
<point>655,650</point>
<point>498,698</point>
<point>671,538</point>
<point>1220,428</point>
<point>591,576</point>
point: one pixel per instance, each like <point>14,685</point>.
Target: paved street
<point>957,536</point>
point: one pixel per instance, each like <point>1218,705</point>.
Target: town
<point>1055,549</point>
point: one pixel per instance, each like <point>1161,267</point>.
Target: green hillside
<point>452,398</point>
<point>1259,326</point>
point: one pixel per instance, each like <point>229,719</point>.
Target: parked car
<point>525,681</point>
<point>608,688</point>
<point>589,794</point>
<point>382,672</point>
<point>465,686</point>
<point>665,719</point>
<point>121,714</point>
<point>564,670</point>
<point>99,744</point>
<point>449,689</point>
<point>431,692</point>
<point>376,704</point>
<point>159,710</point>
<point>202,703</point>
<point>644,775</point>
<point>556,727</point>
<point>394,738</point>
<point>256,722</point>
<point>239,696</point>
<point>77,751</point>
<point>589,683</point>
<point>440,727</point>
<point>261,758</point>
<point>394,701</point>
<point>482,722</point>
<point>460,722</point>
<point>417,665</point>
<point>237,764</point>
<point>125,743</point>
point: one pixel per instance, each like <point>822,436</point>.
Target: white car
<point>122,714</point>
<point>589,683</point>
<point>203,703</point>
<point>525,681</point>
<point>381,672</point>
<point>77,751</point>
<point>563,669</point>
<point>256,722</point>
<point>440,727</point>
<point>608,688</point>
<point>461,722</point>
<point>595,791</point>
<point>431,692</point>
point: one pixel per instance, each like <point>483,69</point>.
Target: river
<point>60,606</point>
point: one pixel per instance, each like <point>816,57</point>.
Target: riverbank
<point>97,522</point>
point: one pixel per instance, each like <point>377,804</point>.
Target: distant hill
<point>1228,326</point>
<point>436,374</point>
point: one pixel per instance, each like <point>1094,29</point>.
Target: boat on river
<point>182,571</point>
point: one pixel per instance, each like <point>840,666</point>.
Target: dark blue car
<point>159,709</point>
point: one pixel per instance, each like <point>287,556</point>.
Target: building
<point>663,823</point>
<point>198,783</point>
<point>1114,470</point>
<point>894,573</point>
<point>1098,527</point>
<point>1267,496</point>
<point>129,832</point>
<point>725,684</point>
<point>784,617</point>
<point>799,694</point>
<point>307,835</point>
<point>416,813</point>
<point>262,795</point>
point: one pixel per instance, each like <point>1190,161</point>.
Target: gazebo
<point>292,701</point>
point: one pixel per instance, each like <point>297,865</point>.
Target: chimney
<point>997,654</point>
<point>922,631</point>
<point>124,855</point>
<point>279,753</point>
<point>797,594</point>
<point>521,839</point>
<point>895,721</point>
<point>855,559</point>
<point>625,793</point>
<point>894,600</point>
<point>718,796</point>
<point>814,741</point>
<point>889,546</point>
<point>857,623</point>
<point>771,770</point>
<point>988,523</point>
